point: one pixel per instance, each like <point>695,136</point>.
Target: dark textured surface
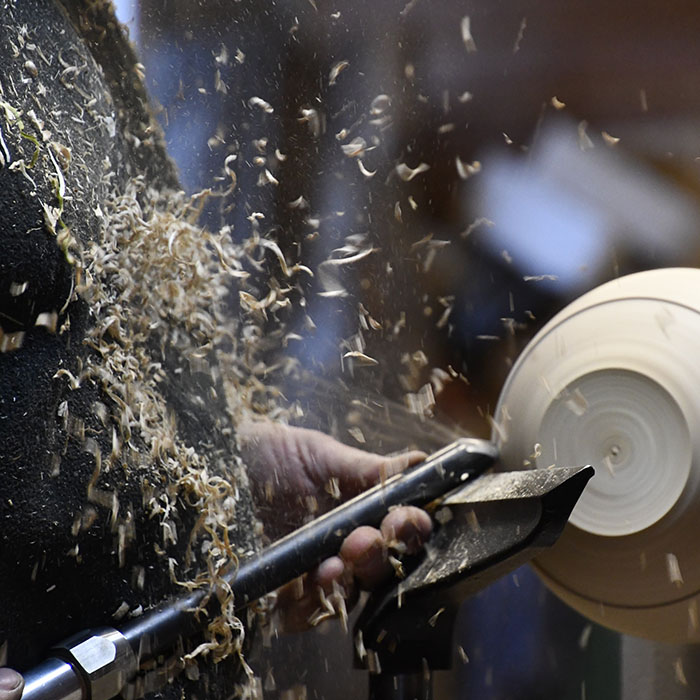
<point>48,587</point>
<point>38,510</point>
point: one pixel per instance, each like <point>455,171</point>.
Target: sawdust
<point>160,287</point>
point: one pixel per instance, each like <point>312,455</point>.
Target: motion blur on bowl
<point>453,174</point>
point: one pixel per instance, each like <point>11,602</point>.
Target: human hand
<point>297,472</point>
<point>11,684</point>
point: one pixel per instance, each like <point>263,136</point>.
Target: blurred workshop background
<point>497,159</point>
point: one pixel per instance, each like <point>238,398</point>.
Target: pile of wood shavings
<point>156,284</point>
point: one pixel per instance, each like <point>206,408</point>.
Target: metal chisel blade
<point>532,483</point>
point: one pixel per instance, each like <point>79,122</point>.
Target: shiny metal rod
<point>53,679</point>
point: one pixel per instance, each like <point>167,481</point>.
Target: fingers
<point>358,469</point>
<point>366,560</point>
<point>299,460</point>
<point>354,469</point>
<point>409,526</point>
<point>367,550</point>
<point>11,684</point>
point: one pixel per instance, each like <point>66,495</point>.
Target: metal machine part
<point>489,527</point>
<point>106,658</point>
<point>613,380</point>
<point>96,665</point>
<point>93,664</point>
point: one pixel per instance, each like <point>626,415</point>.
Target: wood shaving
<point>585,636</point>
<point>357,434</point>
<point>610,140</point>
<point>299,203</point>
<point>121,611</point>
<point>261,104</point>
<point>557,103</point>
<point>521,34</point>
<point>679,673</point>
<point>222,57</point>
<point>477,223</point>
<point>356,148</point>
<point>360,646</point>
<point>267,178</point>
<point>674,570</point>
<point>466,170</point>
<point>363,169</point>
<point>48,320</point>
<point>336,70</point>
<point>361,358</point>
<point>540,278</point>
<point>31,68</point>
<point>313,118</point>
<point>10,342</point>
<point>443,515</point>
<point>380,104</point>
<point>18,288</point>
<point>332,606</point>
<point>329,271</point>
<point>407,174</point>
<point>397,565</point>
<point>467,38</point>
<point>434,618</point>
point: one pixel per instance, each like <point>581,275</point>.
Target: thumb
<point>11,684</point>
